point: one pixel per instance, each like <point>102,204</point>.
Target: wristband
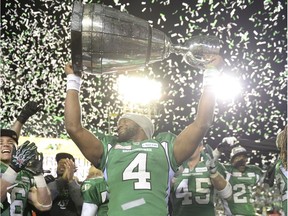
<point>9,175</point>
<point>40,181</point>
<point>226,192</point>
<point>73,82</point>
<point>209,77</point>
<point>214,175</point>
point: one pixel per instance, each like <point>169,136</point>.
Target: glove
<point>49,178</point>
<point>35,165</point>
<point>28,110</point>
<point>22,156</point>
<point>210,162</point>
<point>227,143</point>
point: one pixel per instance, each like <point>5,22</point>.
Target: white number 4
<point>137,170</point>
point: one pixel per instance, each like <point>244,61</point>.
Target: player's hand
<point>210,162</point>
<point>215,61</point>
<point>23,155</point>
<point>227,144</point>
<point>68,69</point>
<point>35,165</point>
<point>28,110</point>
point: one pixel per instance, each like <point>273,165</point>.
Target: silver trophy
<point>105,40</point>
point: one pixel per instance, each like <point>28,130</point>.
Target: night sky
<point>35,42</point>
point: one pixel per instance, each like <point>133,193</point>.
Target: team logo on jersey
<point>85,187</point>
<point>150,145</point>
<point>118,146</point>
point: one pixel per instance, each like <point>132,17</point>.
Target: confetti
<point>35,42</point>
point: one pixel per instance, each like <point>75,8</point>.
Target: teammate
<point>94,193</point>
<point>19,186</point>
<point>281,172</point>
<point>242,178</point>
<point>138,169</point>
<point>194,187</point>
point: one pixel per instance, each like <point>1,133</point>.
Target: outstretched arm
<point>188,140</point>
<point>27,111</point>
<point>88,144</point>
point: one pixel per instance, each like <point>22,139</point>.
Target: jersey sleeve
<point>89,193</point>
<point>167,138</point>
<point>106,140</point>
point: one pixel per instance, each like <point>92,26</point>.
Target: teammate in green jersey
<point>94,193</point>
<point>137,167</point>
<point>281,172</point>
<point>242,178</point>
<point>18,185</point>
<point>194,187</point>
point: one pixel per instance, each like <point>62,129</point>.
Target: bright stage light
<point>227,87</point>
<point>138,90</point>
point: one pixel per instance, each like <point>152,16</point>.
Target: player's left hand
<point>210,162</point>
<point>35,165</point>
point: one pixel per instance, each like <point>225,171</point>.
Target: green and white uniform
<point>193,192</point>
<point>138,175</point>
<point>16,200</point>
<point>281,180</point>
<point>94,192</point>
<point>242,184</point>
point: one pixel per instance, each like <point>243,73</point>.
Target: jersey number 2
<point>136,170</point>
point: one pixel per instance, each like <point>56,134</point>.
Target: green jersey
<point>94,191</point>
<point>192,190</point>
<point>17,198</point>
<point>242,184</point>
<point>281,180</point>
<point>138,175</point>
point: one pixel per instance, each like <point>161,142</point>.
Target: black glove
<point>22,155</point>
<point>210,162</point>
<point>49,178</point>
<point>227,144</point>
<point>28,110</point>
<point>35,165</point>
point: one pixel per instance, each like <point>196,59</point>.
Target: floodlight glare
<point>138,90</point>
<point>227,87</point>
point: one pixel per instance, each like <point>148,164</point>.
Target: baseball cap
<point>64,155</point>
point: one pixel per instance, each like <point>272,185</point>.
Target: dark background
<point>35,42</point>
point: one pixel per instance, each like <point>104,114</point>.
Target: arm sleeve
<point>53,189</point>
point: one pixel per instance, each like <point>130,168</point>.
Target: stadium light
<point>227,87</point>
<point>136,90</point>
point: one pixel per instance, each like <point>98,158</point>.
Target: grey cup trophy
<point>105,40</point>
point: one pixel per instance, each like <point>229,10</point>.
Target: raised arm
<point>88,144</point>
<point>27,111</point>
<point>188,140</point>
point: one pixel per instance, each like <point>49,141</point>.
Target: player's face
<point>61,166</point>
<point>239,162</point>
<point>6,148</point>
<point>127,129</point>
